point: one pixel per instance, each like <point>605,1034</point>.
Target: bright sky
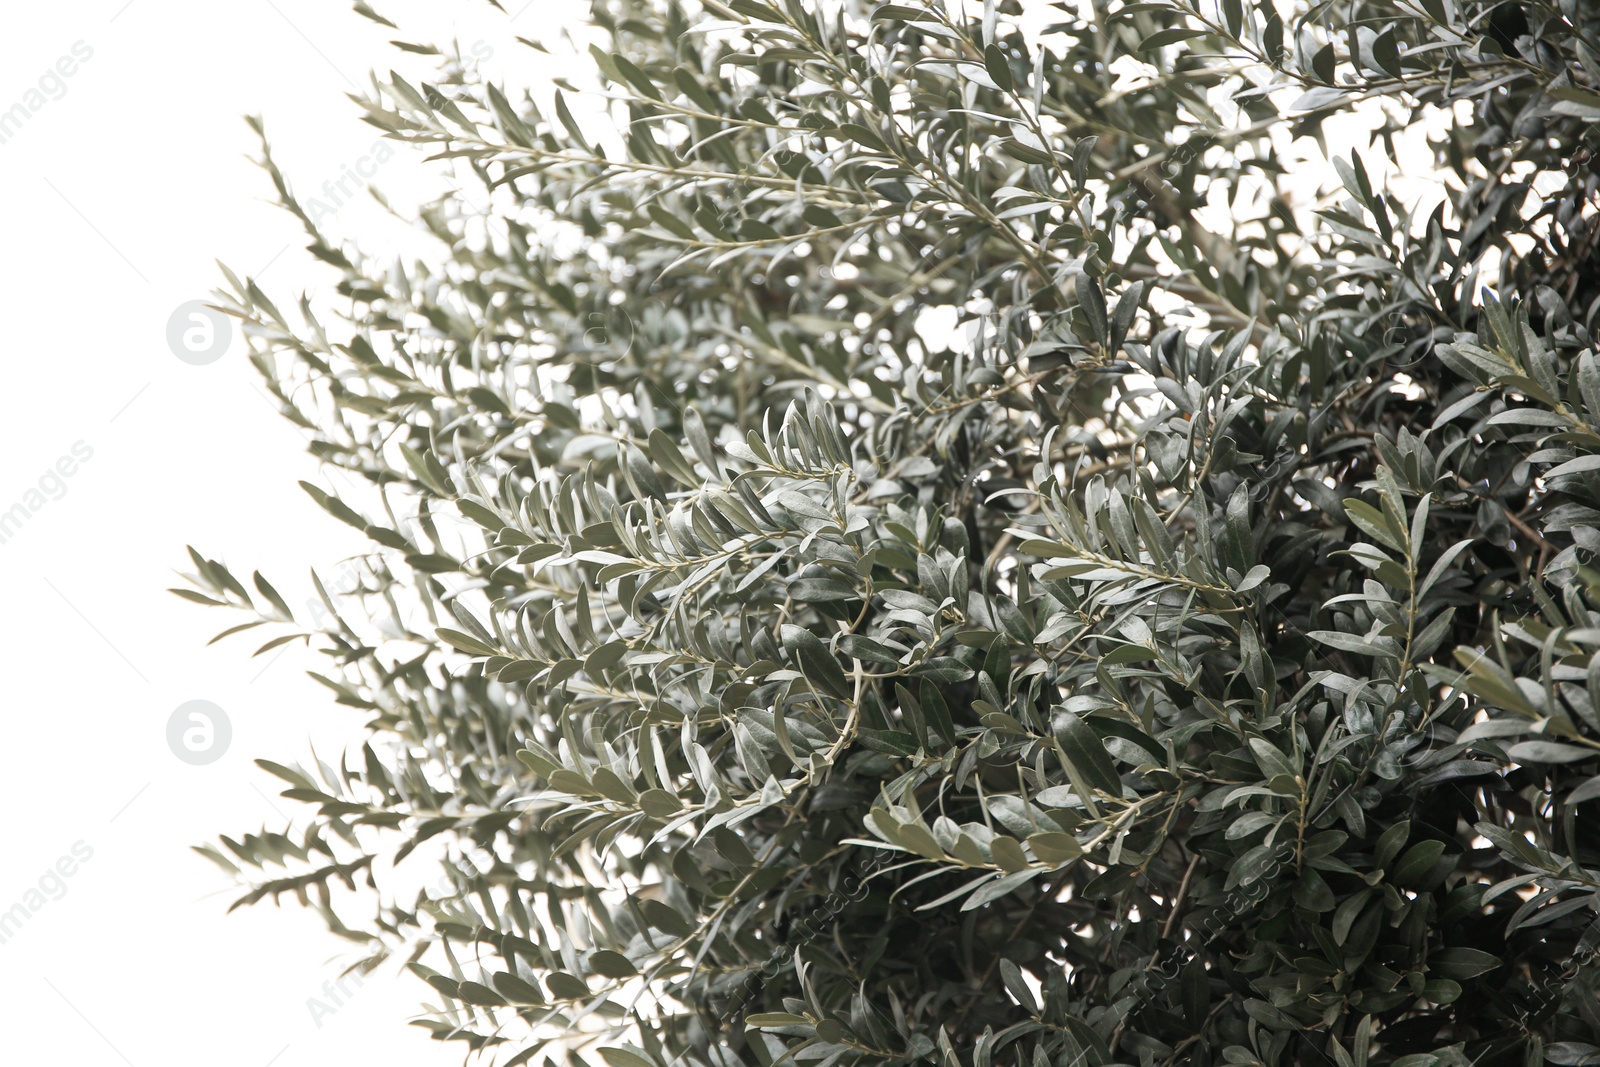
<point>125,176</point>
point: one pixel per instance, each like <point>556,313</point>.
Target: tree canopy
<point>950,538</point>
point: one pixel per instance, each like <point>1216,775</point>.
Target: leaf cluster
<point>861,574</point>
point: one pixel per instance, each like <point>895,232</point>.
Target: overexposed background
<point>121,190</point>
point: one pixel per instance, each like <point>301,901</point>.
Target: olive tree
<point>936,540</point>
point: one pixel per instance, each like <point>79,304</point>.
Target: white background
<point>118,197</point>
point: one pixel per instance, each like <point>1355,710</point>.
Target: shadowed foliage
<point>935,539</point>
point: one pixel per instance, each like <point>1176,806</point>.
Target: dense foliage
<point>944,545</point>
